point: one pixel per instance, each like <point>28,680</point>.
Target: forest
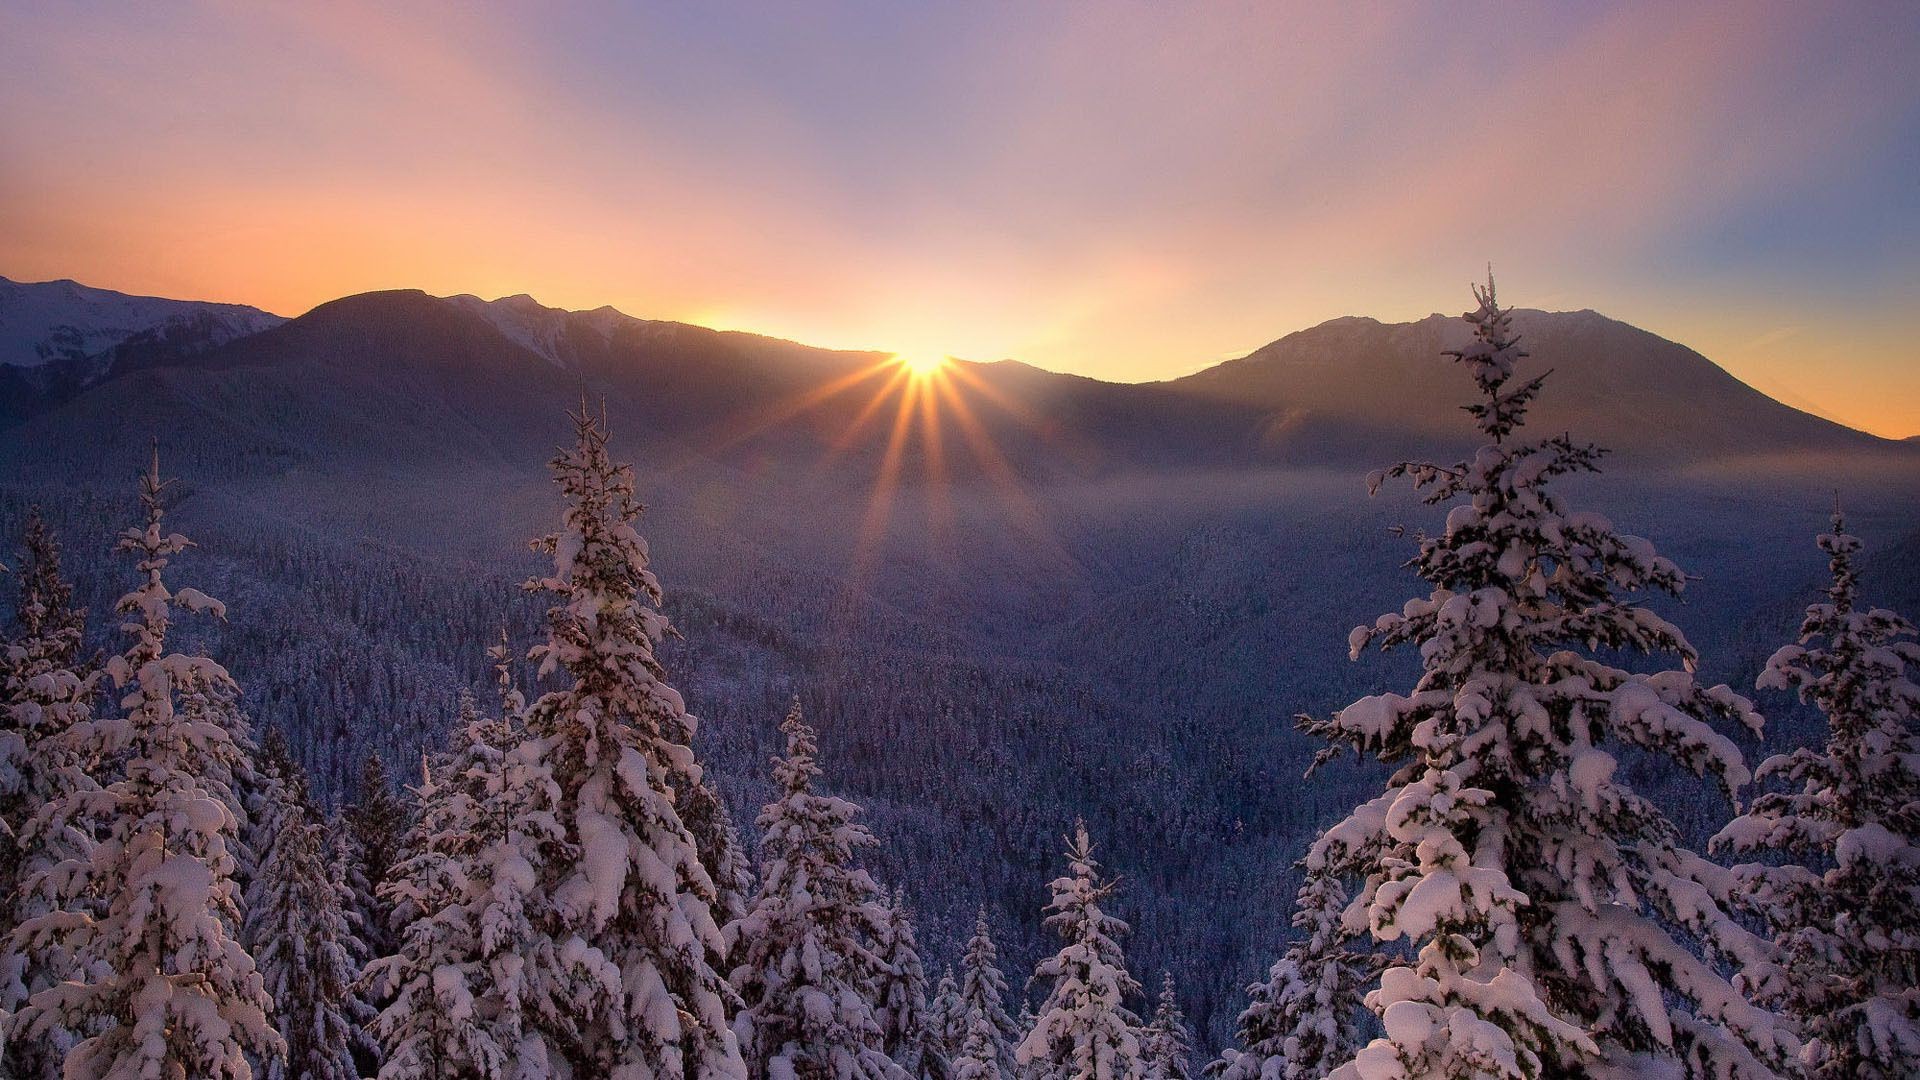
<point>1535,841</point>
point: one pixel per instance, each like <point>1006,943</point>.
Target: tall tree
<point>1085,1030</point>
<point>45,689</point>
<point>1556,922</point>
<point>298,930</point>
<point>900,999</point>
<point>983,995</point>
<point>807,962</point>
<point>1303,1021</point>
<point>160,986</point>
<point>470,966</point>
<point>946,1017</point>
<point>1166,1047</point>
<point>378,820</point>
<point>1848,926</point>
<point>622,892</point>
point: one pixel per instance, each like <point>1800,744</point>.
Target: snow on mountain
<point>547,332</point>
<point>46,321</point>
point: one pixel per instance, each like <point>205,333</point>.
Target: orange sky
<point>1130,191</point>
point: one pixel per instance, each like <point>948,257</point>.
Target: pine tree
<point>160,987</point>
<point>621,892</point>
<point>900,999</point>
<point>1848,928</point>
<point>946,1017</point>
<point>983,995</point>
<point>1084,1031</point>
<point>45,689</point>
<point>807,944</point>
<point>378,819</point>
<point>1303,1021</point>
<point>1166,1050</point>
<point>1541,895</point>
<point>298,930</point>
<point>468,969</point>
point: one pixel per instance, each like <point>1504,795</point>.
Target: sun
<point>920,365</point>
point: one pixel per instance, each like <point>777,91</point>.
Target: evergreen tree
<point>1304,1020</point>
<point>298,930</point>
<point>160,988</point>
<point>1540,894</point>
<point>378,820</point>
<point>620,893</point>
<point>808,965</point>
<point>946,1017</point>
<point>983,995</point>
<point>45,689</point>
<point>1849,927</point>
<point>1084,1030</point>
<point>344,869</point>
<point>900,1000</point>
<point>1166,1050</point>
<point>467,973</point>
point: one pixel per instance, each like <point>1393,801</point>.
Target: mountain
<point>58,337</point>
<point>1356,383</point>
<point>1008,597</point>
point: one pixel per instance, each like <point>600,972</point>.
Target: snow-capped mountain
<point>47,321</point>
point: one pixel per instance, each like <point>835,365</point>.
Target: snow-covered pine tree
<point>1848,928</point>
<point>900,999</point>
<point>344,870</point>
<point>297,928</point>
<point>470,965</point>
<point>807,965</point>
<point>1540,895</point>
<point>946,1017</point>
<point>378,819</point>
<point>45,688</point>
<point>1085,1030</point>
<point>160,987</point>
<point>1166,1046</point>
<point>623,895</point>
<point>983,997</point>
<point>1303,1021</point>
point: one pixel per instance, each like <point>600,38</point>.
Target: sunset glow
<point>1129,193</point>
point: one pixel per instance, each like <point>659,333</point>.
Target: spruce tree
<point>1085,1030</point>
<point>470,965</point>
<point>160,987</point>
<point>1166,1047</point>
<point>1848,925</point>
<point>1303,1021</point>
<point>983,995</point>
<point>378,819</point>
<point>298,930</point>
<point>45,689</point>
<point>946,1017</point>
<point>621,892</point>
<point>808,965</point>
<point>1555,921</point>
<point>900,1000</point>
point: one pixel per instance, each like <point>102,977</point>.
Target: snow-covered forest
<point>563,887</point>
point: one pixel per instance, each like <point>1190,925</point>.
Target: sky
<point>1131,191</point>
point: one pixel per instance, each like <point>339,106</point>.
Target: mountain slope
<point>1357,382</point>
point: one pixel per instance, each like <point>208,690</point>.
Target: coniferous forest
<point>464,824</point>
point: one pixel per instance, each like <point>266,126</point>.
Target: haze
<point>1125,191</point>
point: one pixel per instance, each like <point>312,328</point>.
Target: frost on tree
<point>470,968</point>
<point>808,965</point>
<point>45,688</point>
<point>1084,1029</point>
<point>1166,1046</point>
<point>1553,921</point>
<point>160,987</point>
<point>900,999</point>
<point>621,892</point>
<point>1303,1021</point>
<point>300,936</point>
<point>982,1017</point>
<point>946,1018</point>
<point>1848,923</point>
<point>377,819</point>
